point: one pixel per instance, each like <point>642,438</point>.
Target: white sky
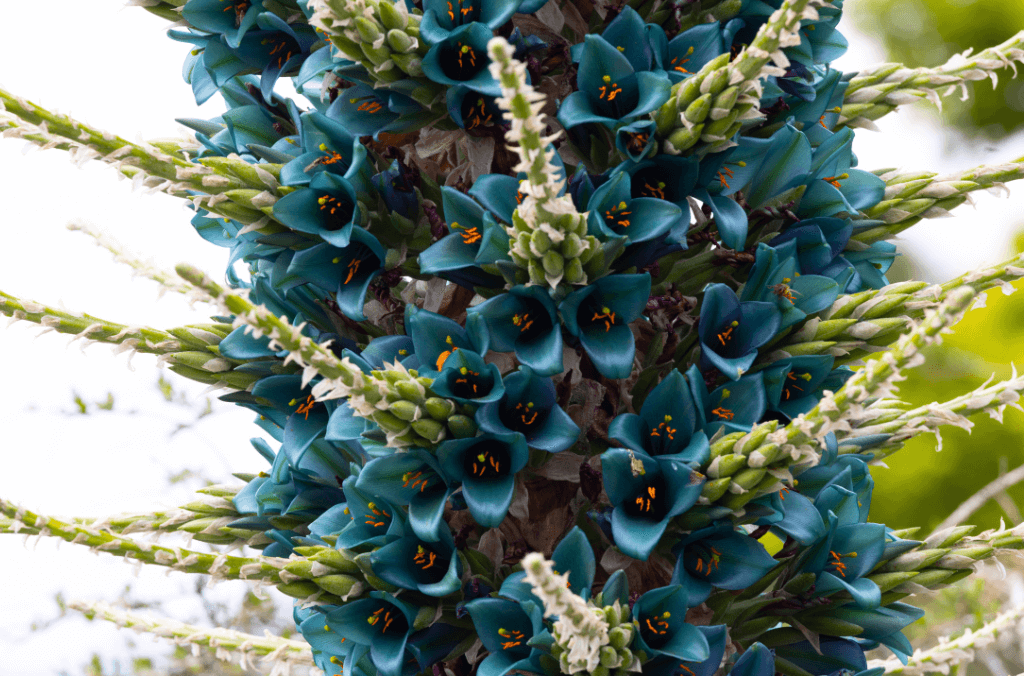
<point>115,69</point>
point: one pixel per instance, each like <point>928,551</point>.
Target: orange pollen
<point>821,121</point>
<point>783,291</point>
<point>372,107</point>
<point>782,492</point>
<point>723,413</point>
<point>679,66</point>
<point>353,267</point>
<point>669,431</point>
<point>608,317</point>
<point>411,480</point>
<point>726,172</point>
<point>523,322</point>
<point>609,91</point>
<point>838,563</point>
<point>638,141</point>
<point>725,335</point>
<point>471,235</point>
<point>687,669</point>
<point>643,503</point>
<point>443,357</point>
<point>451,12</point>
<point>654,191</point>
<point>467,51</point>
<point>661,623</point>
<point>834,180</point>
<point>307,406</point>
<point>332,157</point>
<point>424,557</point>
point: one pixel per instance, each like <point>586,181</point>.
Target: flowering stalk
<point>911,197</point>
<point>223,641</point>
<point>549,237</point>
<point>581,630</point>
<point>399,401</point>
<point>165,9</point>
<point>712,105</point>
<point>190,350</point>
<point>879,90</point>
<point>745,466</point>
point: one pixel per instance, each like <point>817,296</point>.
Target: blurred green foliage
<point>929,32</point>
<point>922,486</point>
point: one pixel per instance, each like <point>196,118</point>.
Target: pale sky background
<point>114,68</point>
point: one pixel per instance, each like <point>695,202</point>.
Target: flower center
<point>609,90</point>
<point>703,559</point>
<point>337,213</point>
<point>460,15</point>
<point>637,142</point>
<point>649,502</point>
<point>677,62</point>
<point>477,114</point>
<point>240,8</point>
<point>305,407</point>
<point>486,461</point>
<point>837,561</point>
<point>663,428</point>
<point>834,180</point>
<point>656,629</point>
<point>375,517</point>
<point>512,638</point>
<point>786,389</point>
<point>606,316</point>
<point>424,557</point>
<point>469,235</point>
<point>469,385</point>
<point>616,217</point>
<point>414,479</point>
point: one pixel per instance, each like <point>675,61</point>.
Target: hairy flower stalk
<point>581,629</point>
<point>711,106</point>
<point>745,466</point>
<point>228,644</point>
<point>549,237</point>
<point>879,90</point>
<point>398,400</point>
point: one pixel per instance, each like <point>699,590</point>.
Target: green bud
<point>619,637</point>
<point>574,273</point>
<point>964,557</point>
<point>431,430</point>
<point>800,583</point>
<point>682,139</point>
<point>424,618</point>
<point>609,657</point>
<point>720,127</point>
<point>600,670</point>
<point>553,262</point>
<point>930,579</point>
<point>536,273</point>
<point>831,626</point>
<point>714,489</point>
<point>336,559</point>
<point>390,422</point>
<point>913,560</point>
<point>539,243</point>
<point>725,101</point>
<point>200,507</point>
<point>302,568</point>
<point>369,30</point>
<point>339,585</point>
<point>811,347</point>
<point>887,581</point>
<point>461,426</point>
<point>410,392</point>
<point>624,617</point>
<point>377,57</point>
<point>571,246</point>
<point>410,64</point>
<point>439,409</point>
<point>393,16</point>
<point>716,82</point>
<point>299,589</point>
<point>593,247</point>
<point>830,328</point>
<point>752,440</point>
<point>381,585</point>
<point>405,410</point>
<point>699,109</point>
<point>728,465</point>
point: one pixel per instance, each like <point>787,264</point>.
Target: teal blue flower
<point>610,90</point>
<point>414,479</point>
<point>573,556</point>
<point>326,146</point>
<point>330,653</point>
<point>599,315</point>
<point>833,186</point>
<point>525,321</point>
<point>399,194</point>
<point>636,140</point>
<point>691,50</point>
<point>345,272</point>
<point>435,337</point>
<point>792,385</point>
<point>304,419</point>
<point>506,628</point>
<point>646,493</point>
<point>718,557</point>
<point>381,622</point>
<point>431,568</point>
<point>669,424</point>
<point>529,407</point>
<point>472,111</point>
<point>500,194</point>
<point>442,17</point>
<point>230,18</point>
<point>730,331</point>
<point>735,406</point>
<point>461,58</point>
<point>467,380</point>
<point>662,630</point>
<point>374,521</point>
<point>615,213</point>
<point>365,111</point>
<point>328,208</point>
<point>475,240</point>
<point>757,660</point>
<point>486,466</point>
<point>882,626</point>
<point>671,666</point>
<point>776,278</point>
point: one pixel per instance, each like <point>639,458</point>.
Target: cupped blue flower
<point>328,208</point>
<point>466,379</point>
<point>820,244</point>
<point>475,240</point>
<point>505,628</point>
<point>610,90</point>
<point>820,115</point>
<point>330,653</point>
<point>730,331</point>
<point>431,568</point>
<point>472,111</point>
<point>614,213</point>
<point>230,18</point>
<point>411,478</point>
<point>304,419</point>
<point>486,466</point>
<point>435,337</point>
<point>525,321</point>
<point>691,50</point>
<point>366,111</point>
<point>529,407</point>
<point>374,521</point>
<point>382,622</point>
<point>636,140</point>
<point>791,384</point>
<point>599,315</point>
<point>645,494</point>
<point>833,186</point>
<point>719,557</point>
<point>278,48</point>
<point>662,630</point>
<point>394,186</point>
<point>776,278</point>
<point>669,423</point>
<point>345,272</point>
<point>442,17</point>
<point>326,146</point>
<point>671,666</point>
<point>735,406</point>
<point>461,58</point>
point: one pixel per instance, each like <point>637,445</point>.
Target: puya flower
<point>328,208</point>
<point>661,628</point>
<point>730,331</point>
<point>365,111</point>
<point>776,278</point>
<point>466,379</point>
<point>486,466</point>
<point>718,557</point>
<point>615,213</point>
<point>431,568</point>
<point>327,146</point>
<point>645,494</point>
<point>461,58</point>
<point>610,90</point>
<point>230,18</point>
<point>692,49</point>
<point>382,622</point>
<point>833,186</point>
<point>442,17</point>
<point>793,385</point>
<point>664,665</point>
<point>525,321</point>
<point>436,337</point>
<point>735,406</point>
<point>573,557</point>
<point>669,425</point>
<point>374,521</point>
<point>346,272</point>
<point>413,479</point>
<point>505,628</point>
<point>475,240</point>
<point>599,315</point>
<point>529,407</point>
